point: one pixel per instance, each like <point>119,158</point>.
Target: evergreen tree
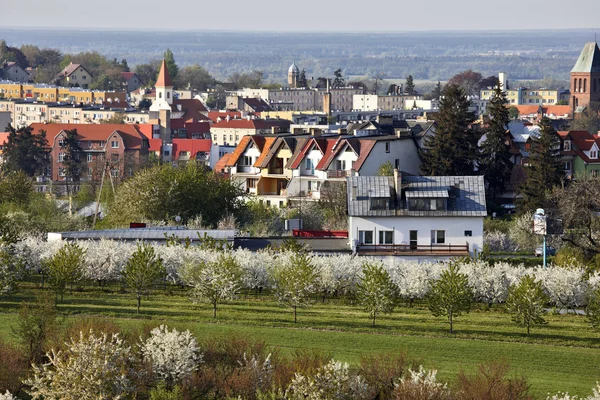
<point>171,64</point>
<point>338,82</point>
<point>437,91</point>
<point>409,87</point>
<point>302,82</point>
<point>452,150</point>
<point>495,164</point>
<point>26,151</point>
<point>544,170</point>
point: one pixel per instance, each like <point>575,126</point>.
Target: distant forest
<point>427,56</point>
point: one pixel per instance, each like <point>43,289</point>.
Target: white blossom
<point>173,355</point>
<point>7,396</point>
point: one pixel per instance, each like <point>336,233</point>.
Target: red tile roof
<point>557,110</point>
<point>155,145</point>
<point>251,124</point>
<point>193,109</point>
<point>192,146</point>
<point>527,110</point>
<point>164,79</point>
<point>297,160</point>
<point>239,150</point>
<point>364,149</point>
<point>3,138</point>
<point>131,134</point>
<point>192,127</point>
<point>214,115</point>
<point>331,149</point>
<point>127,75</point>
<point>269,141</point>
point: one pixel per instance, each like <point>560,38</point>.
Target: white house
<point>416,217</point>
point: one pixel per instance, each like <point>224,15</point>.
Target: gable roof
<point>239,150</point>
<point>192,109</point>
<point>192,146</point>
<point>128,75</point>
<point>69,69</point>
<point>268,143</point>
<point>589,59</point>
<point>131,134</point>
<point>258,105</point>
<point>364,149</point>
<point>332,147</point>
<point>223,163</point>
<point>303,147</point>
<point>155,145</point>
<point>466,195</point>
<point>164,79</point>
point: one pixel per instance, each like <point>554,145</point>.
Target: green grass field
<point>562,355</point>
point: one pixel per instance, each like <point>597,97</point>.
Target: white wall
<point>455,228</point>
<point>404,150</point>
<point>365,102</point>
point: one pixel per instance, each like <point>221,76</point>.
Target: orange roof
<point>214,115</point>
<point>155,145</point>
<point>131,134</point>
<point>3,138</point>
<point>527,110</point>
<point>222,163</point>
<point>269,141</point>
<point>238,151</point>
<point>164,79</point>
<point>558,110</point>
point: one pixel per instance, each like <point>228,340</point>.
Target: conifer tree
<point>437,91</point>
<point>72,163</point>
<point>26,151</point>
<point>302,81</point>
<point>544,170</point>
<point>171,64</point>
<point>495,163</point>
<point>409,87</point>
<point>452,150</point>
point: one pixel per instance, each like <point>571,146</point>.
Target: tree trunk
<point>295,314</point>
<point>450,319</point>
<point>374,319</point>
<point>139,303</point>
<point>215,309</point>
<point>528,324</point>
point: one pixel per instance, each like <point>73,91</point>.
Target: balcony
<point>247,169</point>
<point>414,249</point>
<point>339,174</point>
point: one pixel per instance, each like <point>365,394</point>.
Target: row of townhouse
<point>278,168</point>
<point>44,92</point>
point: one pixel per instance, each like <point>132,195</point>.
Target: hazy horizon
<point>380,16</point>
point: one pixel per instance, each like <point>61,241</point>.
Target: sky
<point>303,15</point>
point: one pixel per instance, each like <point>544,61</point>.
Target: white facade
<point>402,154</point>
<point>365,102</point>
<point>457,231</point>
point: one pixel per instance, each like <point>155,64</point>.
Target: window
<point>386,237</point>
<point>438,237</point>
<point>379,203</point>
<point>251,183</point>
<point>61,172</point>
<point>246,161</point>
<point>167,153</point>
<point>114,144</point>
<point>567,145</point>
<point>593,154</point>
<point>114,173</point>
<point>468,233</point>
<point>61,157</point>
<point>413,236</point>
<point>397,163</point>
<point>90,158</point>
<point>365,237</point>
<point>387,147</point>
<point>567,165</point>
<point>424,204</point>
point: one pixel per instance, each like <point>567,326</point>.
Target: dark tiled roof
<point>589,59</point>
<point>466,195</point>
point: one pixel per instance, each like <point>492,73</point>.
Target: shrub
<point>421,385</point>
<point>490,382</point>
<point>13,368</point>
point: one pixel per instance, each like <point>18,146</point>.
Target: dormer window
<point>567,145</point>
<point>380,203</point>
<point>593,154</point>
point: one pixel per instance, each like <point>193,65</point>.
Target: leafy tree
<point>295,281</point>
<point>450,295</point>
<point>12,268</point>
<point>253,79</point>
<point>36,326</point>
<point>452,150</point>
<point>409,86</point>
<point>334,204</point>
<point>194,77</point>
<point>66,267</point>
<point>72,162</point>
<point>215,281</point>
<point>26,151</point>
<point>490,82</point>
<point>338,81</point>
<point>526,302</point>
<point>469,81</point>
<point>544,170</point>
<point>376,292</point>
<point>495,160</point>
<point>322,82</point>
<point>8,53</point>
<point>143,270</point>
<point>593,308</point>
<point>513,112</point>
<point>163,191</point>
<point>148,72</point>
<point>171,64</point>
<point>385,169</point>
<point>588,119</point>
<point>437,91</point>
<point>15,187</point>
<point>302,81</point>
<point>110,370</point>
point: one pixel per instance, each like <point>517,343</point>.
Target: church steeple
<point>164,85</point>
<point>585,77</point>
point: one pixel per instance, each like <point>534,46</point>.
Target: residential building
<point>43,92</point>
<point>13,72</point>
<point>529,96</point>
<point>304,99</point>
<point>74,75</point>
<point>580,151</point>
<point>417,217</point>
<point>535,113</point>
<point>585,77</point>
<point>117,149</point>
<point>230,131</point>
<point>131,80</point>
<point>373,102</point>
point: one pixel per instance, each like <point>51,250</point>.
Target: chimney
<point>398,185</point>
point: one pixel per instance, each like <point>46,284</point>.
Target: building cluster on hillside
<point>288,145</point>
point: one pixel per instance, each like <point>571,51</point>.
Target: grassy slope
<point>563,355</point>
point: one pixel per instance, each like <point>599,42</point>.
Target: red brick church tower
<point>585,77</point>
